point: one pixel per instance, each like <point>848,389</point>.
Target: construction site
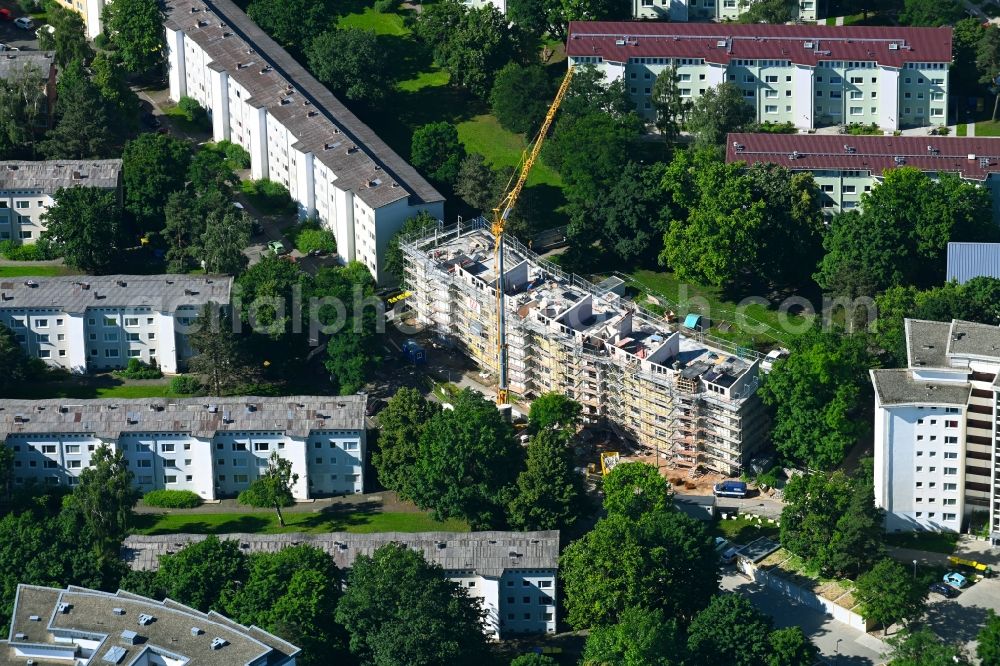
<point>685,398</point>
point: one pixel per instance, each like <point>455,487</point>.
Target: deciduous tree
<point>670,107</point>
<point>153,166</point>
<point>351,61</point>
<point>401,424</point>
<point>218,354</point>
<point>791,647</point>
<point>717,111</point>
<point>887,593</point>
<point>634,489</point>
<point>273,488</point>
<point>988,641</point>
<point>102,503</point>
<point>663,561</point>
<point>135,27</point>
<point>292,23</point>
<point>549,492</point>
<point>730,630</point>
<point>641,638</point>
<point>931,13</point>
<point>468,456</point>
<point>435,149</point>
<point>354,349</point>
<point>69,41</point>
<point>266,289</point>
<point>84,226</point>
<point>203,573</point>
<point>420,222</point>
<point>81,130</point>
<point>816,393</point>
<point>222,244</point>
<point>924,648</point>
<point>478,184</point>
<point>16,367</point>
<point>520,97</point>
<point>554,410</point>
<point>399,609</point>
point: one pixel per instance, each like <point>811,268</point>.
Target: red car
<point>5,15</point>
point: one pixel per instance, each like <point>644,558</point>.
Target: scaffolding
<point>693,400</point>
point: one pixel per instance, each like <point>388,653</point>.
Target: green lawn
<point>935,542</point>
<point>34,271</point>
<point>84,390</point>
<point>432,78</point>
<point>267,522</point>
<point>961,129</point>
<point>380,24</point>
<point>988,128</point>
<point>741,530</point>
<point>484,135</point>
<point>832,20</point>
<point>690,297</point>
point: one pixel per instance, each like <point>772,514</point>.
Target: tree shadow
<point>543,206</point>
<point>341,517</point>
<point>409,57</point>
<point>248,523</point>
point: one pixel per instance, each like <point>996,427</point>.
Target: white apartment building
<point>214,447</point>
<point>805,11</point>
<point>937,428</point>
<point>87,627</point>
<point>514,574</point>
<point>808,75</point>
<point>845,167</point>
<point>296,131</point>
<point>87,323</point>
<point>27,191</point>
<point>689,396</point>
<point>90,11</point>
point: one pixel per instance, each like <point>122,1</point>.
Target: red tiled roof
<point>617,41</point>
<point>870,153</point>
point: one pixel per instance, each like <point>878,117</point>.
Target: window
<point>44,353</point>
<point>849,189</point>
<point>261,446</point>
<point>240,478</point>
<point>22,204</point>
<point>951,486</point>
<point>950,471</point>
<point>134,353</point>
<point>131,321</point>
<point>72,448</point>
<point>950,501</point>
<point>950,455</point>
<point>836,94</point>
<point>111,337</point>
<point>170,478</point>
<point>167,447</point>
<point>111,353</point>
<point>545,583</point>
<point>110,321</point>
<point>770,94</point>
<point>42,323</point>
<point>771,108</point>
<point>144,463</point>
<point>857,79</point>
<point>948,516</point>
<point>132,337</point>
<point>771,78</point>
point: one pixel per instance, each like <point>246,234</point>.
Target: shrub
<point>769,127</point>
<point>102,41</point>
<point>136,369</point>
<point>172,499</point>
<point>16,252</point>
<point>192,110</point>
<point>316,239</point>
<point>268,195</point>
<point>185,384</point>
<point>857,129</point>
<point>237,157</point>
<point>386,6</point>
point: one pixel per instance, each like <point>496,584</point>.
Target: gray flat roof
<point>973,339</point>
<point>91,613</point>
<point>486,553</point>
<point>969,260</point>
<point>161,293</point>
<point>897,387</point>
<point>927,343</point>
<point>14,63</point>
<point>202,417</point>
<point>324,126</point>
<point>50,175</point>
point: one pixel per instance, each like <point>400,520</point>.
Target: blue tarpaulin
<point>692,321</point>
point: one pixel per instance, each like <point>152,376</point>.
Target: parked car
<point>944,590</point>
<point>24,23</point>
<point>955,579</point>
<point>729,555</point>
<point>4,47</point>
<point>276,247</point>
<point>730,488</point>
<point>6,15</point>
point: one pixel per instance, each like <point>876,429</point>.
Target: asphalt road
<point>10,35</point>
<point>839,644</point>
<point>961,618</point>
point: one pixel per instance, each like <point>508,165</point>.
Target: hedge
<point>172,499</point>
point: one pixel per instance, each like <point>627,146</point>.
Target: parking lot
<point>10,35</point>
<point>961,618</point>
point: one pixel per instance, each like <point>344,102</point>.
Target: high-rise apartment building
<point>937,428</point>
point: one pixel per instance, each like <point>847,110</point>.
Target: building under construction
<point>693,402</point>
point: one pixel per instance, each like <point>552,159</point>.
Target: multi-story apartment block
<point>211,446</point>
<point>296,131</point>
<point>514,574</point>
<point>27,190</point>
<point>805,11</point>
<point>808,75</point>
<point>937,428</point>
<point>846,166</point>
<point>91,11</point>
<point>88,627</point>
<point>91,322</point>
<point>18,64</point>
<point>629,368</point>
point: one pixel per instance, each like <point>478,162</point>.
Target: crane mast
<point>500,214</point>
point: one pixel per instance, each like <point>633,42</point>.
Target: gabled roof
<point>972,158</point>
<point>618,41</point>
<point>160,293</point>
<point>361,161</point>
<point>50,175</point>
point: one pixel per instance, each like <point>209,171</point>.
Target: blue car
<point>955,579</point>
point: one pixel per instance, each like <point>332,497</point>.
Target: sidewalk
<point>385,501</point>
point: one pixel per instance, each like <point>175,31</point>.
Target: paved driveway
<point>839,644</point>
<point>961,618</point>
<point>13,36</point>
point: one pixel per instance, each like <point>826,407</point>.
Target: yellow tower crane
<point>500,214</point>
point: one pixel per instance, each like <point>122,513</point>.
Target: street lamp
<point>914,569</point>
<point>836,649</point>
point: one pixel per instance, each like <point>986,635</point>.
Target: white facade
<point>27,191</point>
<point>296,132</point>
<point>214,463</point>
<point>712,10</point>
<point>810,76</point>
<point>83,324</point>
<point>936,428</point>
